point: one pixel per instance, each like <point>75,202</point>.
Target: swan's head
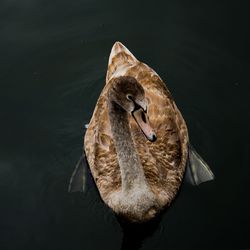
<point>130,96</point>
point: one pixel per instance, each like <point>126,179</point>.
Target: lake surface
<point>53,58</point>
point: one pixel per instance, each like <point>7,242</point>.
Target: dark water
<point>53,58</point>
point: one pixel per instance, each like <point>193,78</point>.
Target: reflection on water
<point>135,234</point>
<point>53,63</point>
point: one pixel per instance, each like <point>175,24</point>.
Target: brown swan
<point>136,143</point>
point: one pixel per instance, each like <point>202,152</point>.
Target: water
<point>53,63</point>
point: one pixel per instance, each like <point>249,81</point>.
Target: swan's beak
<point>142,105</point>
<point>143,122</point>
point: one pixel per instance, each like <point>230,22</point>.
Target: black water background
<point>53,57</point>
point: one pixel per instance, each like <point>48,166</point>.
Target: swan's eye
<point>129,97</point>
<point>143,117</point>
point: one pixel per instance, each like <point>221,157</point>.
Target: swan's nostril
<point>153,138</point>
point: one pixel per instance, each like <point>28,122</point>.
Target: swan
<point>136,143</point>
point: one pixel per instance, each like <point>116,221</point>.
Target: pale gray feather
<point>78,180</point>
<point>197,170</point>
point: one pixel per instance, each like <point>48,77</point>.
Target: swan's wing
<point>197,170</point>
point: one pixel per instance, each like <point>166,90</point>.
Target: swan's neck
<point>132,174</point>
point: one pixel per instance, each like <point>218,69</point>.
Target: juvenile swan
<point>136,143</point>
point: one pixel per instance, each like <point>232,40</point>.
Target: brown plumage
<point>163,161</point>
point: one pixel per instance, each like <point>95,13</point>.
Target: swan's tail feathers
<point>78,180</point>
<point>197,170</point>
<point>119,48</point>
<point>120,60</point>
